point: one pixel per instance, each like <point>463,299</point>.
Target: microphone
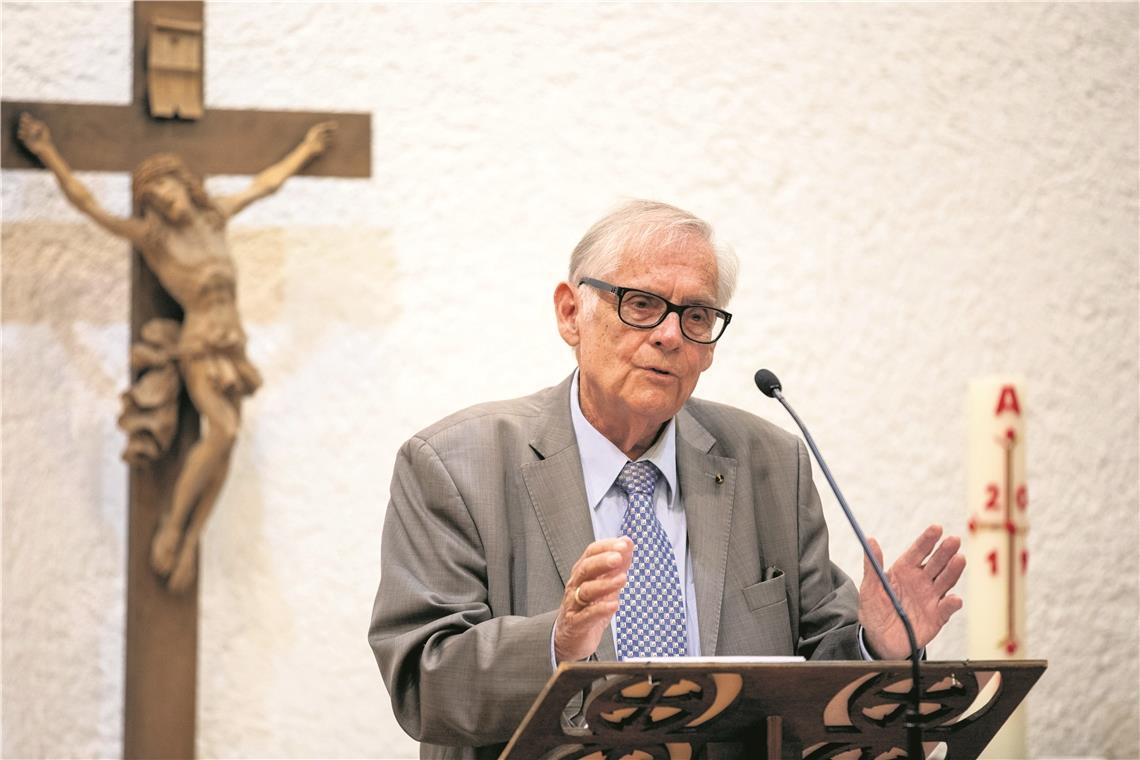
<point>769,385</point>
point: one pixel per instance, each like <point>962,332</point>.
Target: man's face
<point>636,379</point>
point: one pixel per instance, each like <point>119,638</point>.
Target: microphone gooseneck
<point>769,385</point>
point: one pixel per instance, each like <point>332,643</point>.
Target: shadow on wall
<point>64,275</point>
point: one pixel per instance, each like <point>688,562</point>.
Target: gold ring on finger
<point>578,597</point>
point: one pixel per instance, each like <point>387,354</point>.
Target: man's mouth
<point>656,371</point>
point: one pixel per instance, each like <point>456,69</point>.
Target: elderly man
<point>614,516</point>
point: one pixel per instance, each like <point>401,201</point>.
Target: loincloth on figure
<point>227,367</point>
<point>212,337</point>
<point>150,406</point>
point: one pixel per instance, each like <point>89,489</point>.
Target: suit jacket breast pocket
<point>768,601</point>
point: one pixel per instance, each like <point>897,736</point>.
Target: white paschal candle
<point>996,553</point>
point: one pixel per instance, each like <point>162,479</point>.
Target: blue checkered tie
<point>651,614</point>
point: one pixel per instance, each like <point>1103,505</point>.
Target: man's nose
<point>668,334</point>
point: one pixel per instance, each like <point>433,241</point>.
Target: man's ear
<point>567,309</point>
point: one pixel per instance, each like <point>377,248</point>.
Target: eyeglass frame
<point>670,308</point>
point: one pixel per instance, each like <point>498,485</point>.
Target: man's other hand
<point>591,598</point>
<point>921,578</point>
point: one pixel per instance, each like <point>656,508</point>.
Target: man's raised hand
<point>922,578</point>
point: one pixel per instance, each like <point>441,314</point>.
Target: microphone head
<point>767,382</point>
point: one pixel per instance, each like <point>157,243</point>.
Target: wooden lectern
<point>804,710</point>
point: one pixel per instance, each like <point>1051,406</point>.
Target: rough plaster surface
<point>920,194</point>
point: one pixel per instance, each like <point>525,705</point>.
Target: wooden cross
<point>162,628</point>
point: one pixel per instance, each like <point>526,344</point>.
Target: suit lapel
<point>558,493</point>
<point>708,487</point>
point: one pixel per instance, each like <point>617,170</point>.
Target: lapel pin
<point>718,478</point>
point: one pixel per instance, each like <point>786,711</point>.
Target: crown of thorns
<point>154,167</point>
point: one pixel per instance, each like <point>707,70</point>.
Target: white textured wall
<point>919,194</point>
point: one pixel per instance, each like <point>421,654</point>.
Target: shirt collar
<point>602,460</point>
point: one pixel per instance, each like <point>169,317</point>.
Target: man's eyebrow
<point>701,301</point>
<point>709,302</point>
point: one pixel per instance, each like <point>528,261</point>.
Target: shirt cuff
<point>866,653</point>
<point>554,660</point>
<point>863,650</point>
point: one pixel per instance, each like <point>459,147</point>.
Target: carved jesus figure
<point>181,233</point>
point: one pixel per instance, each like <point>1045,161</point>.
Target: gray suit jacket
<point>488,514</point>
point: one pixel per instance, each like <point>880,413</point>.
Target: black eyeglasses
<point>637,308</point>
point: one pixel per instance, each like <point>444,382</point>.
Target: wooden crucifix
<point>161,627</point>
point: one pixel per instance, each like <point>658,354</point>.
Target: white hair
<point>638,225</point>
